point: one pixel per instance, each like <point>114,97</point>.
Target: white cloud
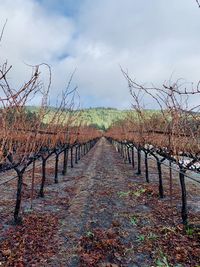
<point>152,39</point>
<point>31,37</point>
<point>31,34</point>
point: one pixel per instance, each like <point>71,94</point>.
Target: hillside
<point>101,118</point>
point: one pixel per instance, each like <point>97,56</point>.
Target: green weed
<point>123,194</point>
<point>140,238</point>
<point>152,236</point>
<point>89,234</point>
<point>133,220</point>
<point>189,231</point>
<point>162,262</point>
<point>139,192</point>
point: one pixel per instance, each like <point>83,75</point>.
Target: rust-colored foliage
<point>30,243</point>
<point>100,246</point>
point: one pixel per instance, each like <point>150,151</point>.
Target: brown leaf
<point>6,253</point>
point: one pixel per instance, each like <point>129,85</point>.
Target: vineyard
<point>99,187</point>
<point>68,198</point>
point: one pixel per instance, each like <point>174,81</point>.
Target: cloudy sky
<point>152,39</point>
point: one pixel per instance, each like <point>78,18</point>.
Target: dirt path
<point>98,205</point>
<point>102,214</point>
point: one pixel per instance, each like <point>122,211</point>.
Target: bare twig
<point>2,31</point>
<point>198,3</point>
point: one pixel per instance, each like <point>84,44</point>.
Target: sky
<point>151,39</point>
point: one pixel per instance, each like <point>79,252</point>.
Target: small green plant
<point>162,261</point>
<point>89,234</point>
<point>139,192</point>
<point>133,220</point>
<point>189,231</point>
<point>140,238</point>
<point>152,236</point>
<point>123,194</point>
<point>142,190</point>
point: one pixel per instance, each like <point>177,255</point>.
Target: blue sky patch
<point>65,7</point>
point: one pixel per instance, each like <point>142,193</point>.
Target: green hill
<point>101,118</point>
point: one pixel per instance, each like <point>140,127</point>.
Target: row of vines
<point>27,137</point>
<point>170,134</point>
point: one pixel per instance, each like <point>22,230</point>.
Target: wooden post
<point>139,161</point>
<point>17,218</point>
<point>132,154</point>
<point>79,152</point>
<point>146,167</point>
<point>184,211</point>
<point>65,161</point>
<point>170,182</point>
<point>161,191</point>
<point>128,154</point>
<point>32,183</point>
<point>76,155</point>
<point>56,168</point>
<point>72,163</point>
<point>41,193</point>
